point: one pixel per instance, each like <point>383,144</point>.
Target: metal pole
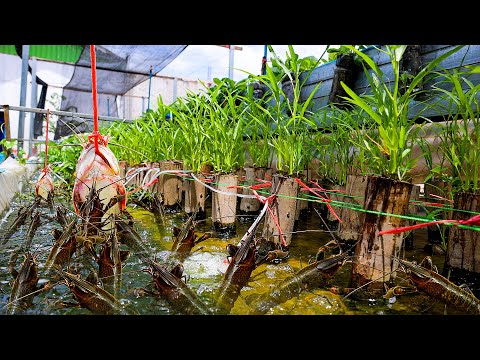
<point>65,113</point>
<point>230,66</point>
<point>23,94</point>
<point>149,87</point>
<point>33,102</point>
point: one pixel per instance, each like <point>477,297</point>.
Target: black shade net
<point>119,68</point>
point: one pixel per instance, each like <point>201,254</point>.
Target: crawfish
<point>91,296</point>
<point>242,263</point>
<point>22,215</point>
<point>110,264</point>
<point>175,291</point>
<point>430,282</point>
<point>183,246</point>
<point>25,285</point>
<point>62,217</point>
<point>186,234</point>
<point>274,256</point>
<point>65,246</point>
<point>315,275</point>
<point>32,228</point>
<point>128,236</point>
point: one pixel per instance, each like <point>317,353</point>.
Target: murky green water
<point>204,269</point>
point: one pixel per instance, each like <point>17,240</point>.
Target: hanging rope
<point>46,142</point>
<point>95,134</point>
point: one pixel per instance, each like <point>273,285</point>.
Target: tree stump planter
<point>138,178</point>
<point>302,201</point>
<point>195,194</point>
<point>284,208</point>
<point>463,247</point>
<point>412,210</point>
<point>249,207</point>
<point>170,186</point>
<point>224,207</point>
<point>332,221</point>
<point>350,229</point>
<point>375,265</point>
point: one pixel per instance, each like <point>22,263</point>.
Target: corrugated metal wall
<point>468,55</point>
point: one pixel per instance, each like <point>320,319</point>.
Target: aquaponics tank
<point>349,189</point>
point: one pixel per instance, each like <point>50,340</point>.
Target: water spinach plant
<point>397,129</point>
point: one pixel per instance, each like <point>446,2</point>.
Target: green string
<point>358,207</point>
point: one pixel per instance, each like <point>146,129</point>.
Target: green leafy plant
<point>335,52</point>
<point>436,170</point>
<point>397,132</point>
<point>190,117</point>
<point>293,152</point>
<point>258,130</point>
<point>460,139</point>
<point>335,144</point>
<point>64,155</point>
<point>9,146</point>
<point>292,64</point>
<point>224,127</point>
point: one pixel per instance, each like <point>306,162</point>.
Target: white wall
<point>54,74</point>
<point>135,101</point>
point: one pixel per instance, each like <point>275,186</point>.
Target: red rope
<point>46,142</point>
<point>270,200</point>
<point>326,200</point>
<point>475,220</point>
<point>95,133</point>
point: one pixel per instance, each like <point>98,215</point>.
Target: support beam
<point>230,62</point>
<point>33,104</point>
<point>23,94</point>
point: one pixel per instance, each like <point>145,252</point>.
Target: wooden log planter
<point>283,208</point>
<point>250,207</point>
<point>332,221</point>
<point>170,186</point>
<point>462,263</point>
<point>302,203</point>
<point>224,206</point>
<point>350,229</point>
<point>375,265</point>
<point>195,194</point>
<point>137,179</point>
<point>412,210</point>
